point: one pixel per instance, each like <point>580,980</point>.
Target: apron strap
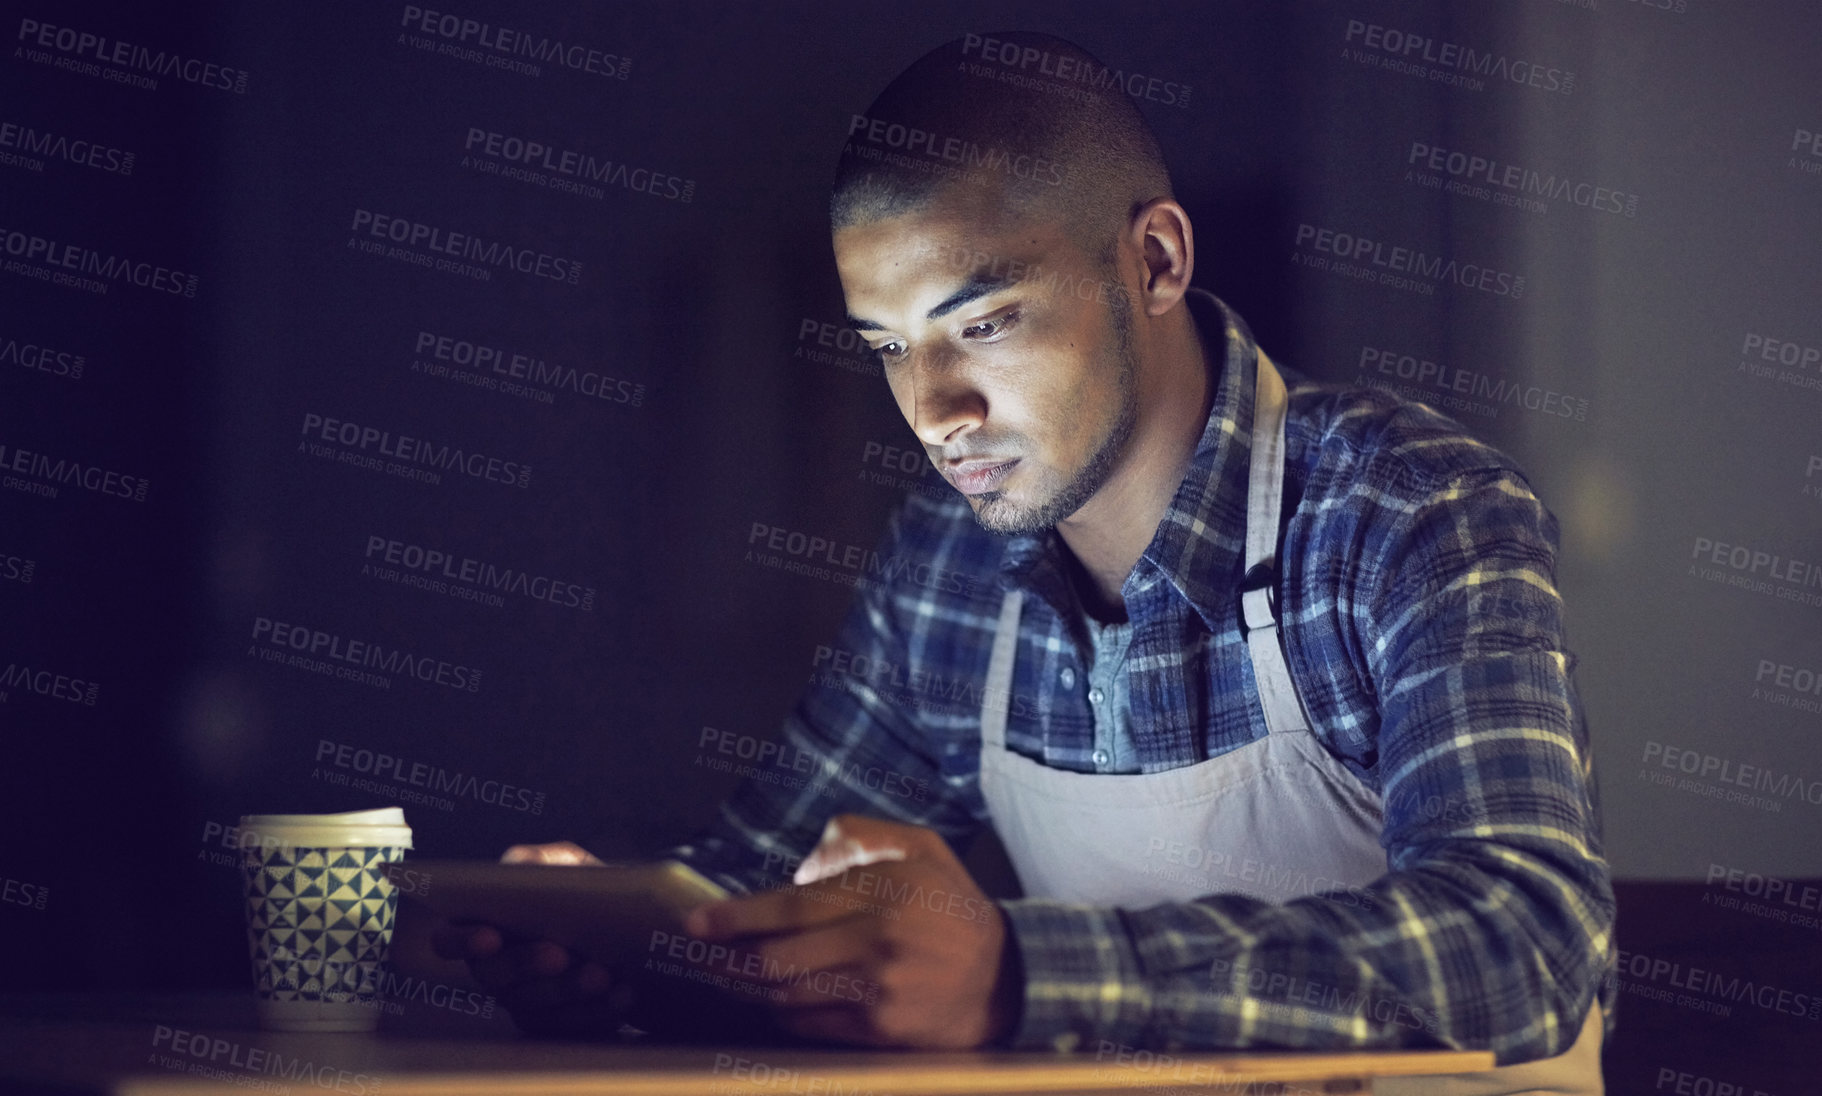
<point>996,698</point>
<point>1258,589</point>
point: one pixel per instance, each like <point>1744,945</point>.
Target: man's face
<point>1007,346</point>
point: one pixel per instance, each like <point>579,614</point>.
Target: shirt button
<point>1067,677</point>
<point>1095,695</point>
<point>1101,758</point>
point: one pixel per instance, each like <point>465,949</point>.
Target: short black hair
<point>1036,114</point>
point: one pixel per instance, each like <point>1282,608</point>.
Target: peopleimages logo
<point>566,169</point>
<point>17,568</point>
<point>1682,1082</point>
<point>903,470</point>
<point>23,146</point>
<point>465,253</point>
<point>1490,180</point>
<point>1754,778</point>
<point>775,763</point>
<point>847,350</point>
<point>1733,989</point>
<point>1448,63</point>
<point>1754,569</point>
<point>40,358</point>
<point>33,256</point>
<point>307,648</point>
<point>14,892</point>
<point>503,47</point>
<point>1289,992</point>
<point>433,779</point>
<point>237,1065</point>
<point>38,474</point>
<point>88,54</point>
<point>447,572</point>
<point>1396,266</point>
<point>1806,151</point>
<point>1799,897</point>
<point>48,683</point>
<point>1187,862</point>
<point>909,686</point>
<point>849,564</point>
<point>1055,281</point>
<point>1021,65</point>
<point>1458,389</point>
<point>1788,685</point>
<point>947,155</point>
<point>1772,357</point>
<point>412,458</point>
<point>515,372</point>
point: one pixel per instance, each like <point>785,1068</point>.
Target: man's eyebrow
<point>973,290</point>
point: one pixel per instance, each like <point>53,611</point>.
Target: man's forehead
<point>933,276</point>
<point>928,250</point>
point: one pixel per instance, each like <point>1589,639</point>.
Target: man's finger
<point>465,941</point>
<point>799,956</point>
<point>522,963</point>
<point>556,852</point>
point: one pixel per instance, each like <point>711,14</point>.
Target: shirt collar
<point>1198,542</point>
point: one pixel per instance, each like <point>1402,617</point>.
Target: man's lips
<point>974,477</point>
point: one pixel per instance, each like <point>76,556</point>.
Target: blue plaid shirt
<point>1425,634</point>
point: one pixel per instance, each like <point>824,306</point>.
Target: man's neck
<point>1111,530</point>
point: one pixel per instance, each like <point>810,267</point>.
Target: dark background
<point>114,810</point>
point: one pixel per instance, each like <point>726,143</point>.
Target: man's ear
<point>1160,232</point>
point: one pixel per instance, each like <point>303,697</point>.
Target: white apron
<point>1276,819</point>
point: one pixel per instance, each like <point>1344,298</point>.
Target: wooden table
<point>209,1045</point>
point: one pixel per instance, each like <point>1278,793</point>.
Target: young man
<point>1267,695</point>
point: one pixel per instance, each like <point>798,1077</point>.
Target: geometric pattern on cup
<point>319,920</point>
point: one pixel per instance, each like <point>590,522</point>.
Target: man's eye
<point>988,329</point>
<point>891,350</point>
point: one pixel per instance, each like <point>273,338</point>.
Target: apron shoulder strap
<point>996,698</point>
<point>1259,586</point>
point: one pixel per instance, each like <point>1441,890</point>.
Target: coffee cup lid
<point>381,826</point>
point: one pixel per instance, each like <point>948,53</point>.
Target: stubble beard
<point>998,514</point>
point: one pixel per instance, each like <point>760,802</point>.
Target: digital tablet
<point>607,912</point>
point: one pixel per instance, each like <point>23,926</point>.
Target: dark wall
<point>1633,315</point>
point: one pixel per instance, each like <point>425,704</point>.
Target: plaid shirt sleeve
<point>856,741</point>
<point>1492,928</point>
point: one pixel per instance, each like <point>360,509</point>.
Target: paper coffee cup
<point>320,914</point>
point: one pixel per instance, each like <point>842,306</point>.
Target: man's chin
<point>994,512</point>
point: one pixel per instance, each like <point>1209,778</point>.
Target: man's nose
<point>945,403</point>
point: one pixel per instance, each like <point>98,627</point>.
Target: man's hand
<point>557,852</point>
<point>892,952</point>
<point>548,989</point>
